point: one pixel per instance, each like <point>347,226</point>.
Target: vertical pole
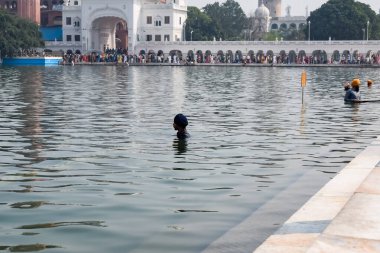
<point>367,29</point>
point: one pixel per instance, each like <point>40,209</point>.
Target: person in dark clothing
<point>180,123</point>
<point>353,94</point>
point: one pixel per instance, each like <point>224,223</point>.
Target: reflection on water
<point>180,146</point>
<point>90,163</point>
<point>28,248</point>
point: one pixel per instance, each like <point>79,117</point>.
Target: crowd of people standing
<point>122,56</point>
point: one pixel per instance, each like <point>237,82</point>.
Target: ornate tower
<point>274,7</point>
<point>29,9</point>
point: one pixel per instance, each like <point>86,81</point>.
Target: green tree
<point>343,20</point>
<point>199,26</point>
<point>17,33</point>
<point>229,18</point>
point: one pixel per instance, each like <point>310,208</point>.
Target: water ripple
<point>96,144</point>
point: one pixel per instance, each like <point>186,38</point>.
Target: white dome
<point>262,12</point>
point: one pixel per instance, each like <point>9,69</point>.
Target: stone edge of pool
<point>341,217</point>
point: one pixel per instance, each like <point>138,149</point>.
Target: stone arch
<point>293,26</point>
<point>101,27</point>
<point>199,56</point>
<point>346,57</point>
<point>208,56</point>
<point>355,56</point>
<point>190,56</point>
<point>175,55</point>
<point>220,56</point>
<point>283,26</point>
<point>369,53</point>
<point>274,27</point>
<point>270,56</point>
<point>319,57</point>
<point>160,56</point>
<point>121,35</point>
<point>346,52</point>
<point>336,56</point>
<point>301,54</point>
<point>282,56</point>
<point>238,56</point>
<point>260,56</point>
<point>152,56</point>
<point>251,55</point>
<point>229,56</point>
<point>292,57</point>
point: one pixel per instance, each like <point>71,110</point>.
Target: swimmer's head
<point>347,86</point>
<point>369,82</point>
<point>355,83</point>
<point>181,120</point>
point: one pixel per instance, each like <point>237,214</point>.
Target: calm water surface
<point>89,161</point>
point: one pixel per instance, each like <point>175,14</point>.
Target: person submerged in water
<point>180,123</point>
<point>352,91</point>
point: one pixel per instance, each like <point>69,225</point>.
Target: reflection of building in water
<point>31,93</point>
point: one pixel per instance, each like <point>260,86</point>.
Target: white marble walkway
<point>343,217</point>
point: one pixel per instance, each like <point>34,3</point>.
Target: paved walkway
<point>343,217</point>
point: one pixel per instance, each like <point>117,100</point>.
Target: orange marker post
<point>303,82</point>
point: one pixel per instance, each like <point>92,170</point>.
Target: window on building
<point>167,20</point>
<point>149,20</point>
<point>77,38</point>
<point>148,37</point>
<point>76,3</point>
<point>68,20</point>
<point>157,37</point>
<point>68,38</point>
<point>76,22</point>
<point>157,21</point>
<point>14,5</point>
<point>167,37</point>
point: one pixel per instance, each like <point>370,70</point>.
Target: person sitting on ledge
<point>353,93</point>
<point>180,123</point>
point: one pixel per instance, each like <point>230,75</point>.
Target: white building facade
<point>95,25</point>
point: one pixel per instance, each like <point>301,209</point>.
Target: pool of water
<point>89,161</point>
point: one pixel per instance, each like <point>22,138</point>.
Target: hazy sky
<point>298,7</point>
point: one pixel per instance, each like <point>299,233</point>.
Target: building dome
<point>262,12</point>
